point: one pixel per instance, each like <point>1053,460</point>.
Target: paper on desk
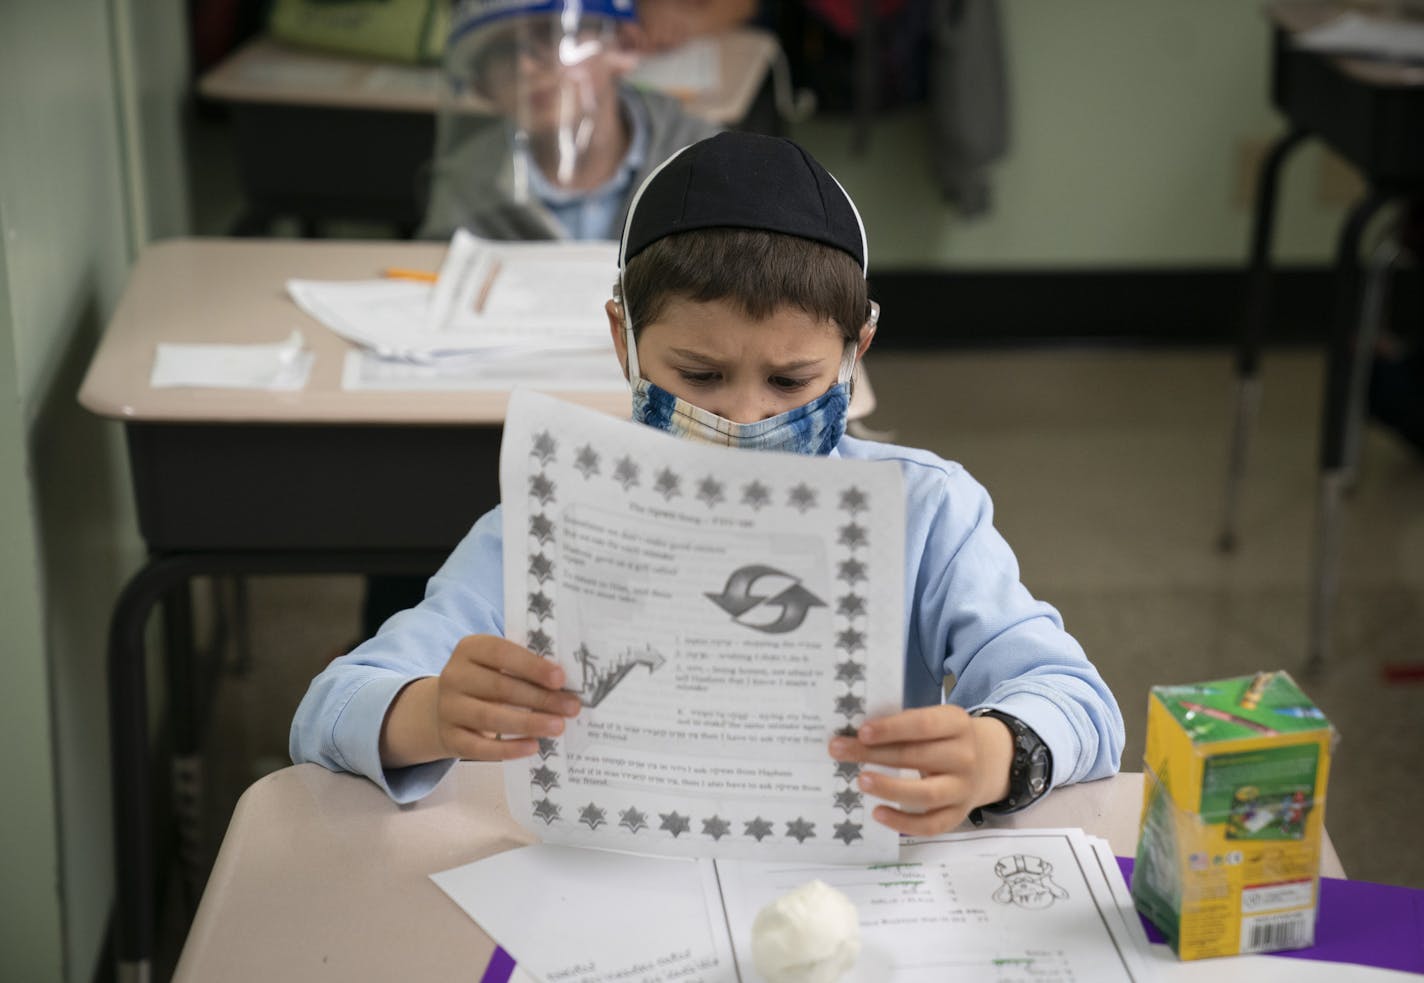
<point>490,297</point>
<point>566,371</point>
<point>985,905</point>
<point>1354,34</point>
<point>281,366</point>
<point>693,68</point>
<point>595,915</point>
<point>721,614</point>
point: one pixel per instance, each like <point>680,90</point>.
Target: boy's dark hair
<point>757,272</point>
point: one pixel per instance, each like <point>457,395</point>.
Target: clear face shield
<point>531,100</point>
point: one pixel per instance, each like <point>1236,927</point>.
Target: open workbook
<point>996,907</point>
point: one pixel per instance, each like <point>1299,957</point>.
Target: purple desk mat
<point>1358,922</point>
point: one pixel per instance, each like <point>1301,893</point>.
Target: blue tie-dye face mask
<point>813,428</point>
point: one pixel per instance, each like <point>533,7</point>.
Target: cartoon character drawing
<point>1028,882</point>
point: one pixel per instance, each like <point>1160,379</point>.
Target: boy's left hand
<point>963,763</point>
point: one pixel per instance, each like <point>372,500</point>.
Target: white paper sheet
<point>1370,37</point>
<point>1000,906</point>
<point>500,372</point>
<point>282,366</point>
<point>489,297</point>
<point>982,906</point>
<point>592,915</point>
<point>721,614</point>
<point>694,67</point>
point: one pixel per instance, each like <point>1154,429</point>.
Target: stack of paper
<point>1002,905</point>
<point>499,315</point>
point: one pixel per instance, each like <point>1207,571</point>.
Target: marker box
<point>1233,815</point>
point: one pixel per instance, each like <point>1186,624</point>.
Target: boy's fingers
<point>920,724</point>
<point>934,792</point>
<point>474,746</point>
<point>930,757</point>
<point>498,687</point>
<point>498,653</point>
<point>921,824</point>
<point>470,713</point>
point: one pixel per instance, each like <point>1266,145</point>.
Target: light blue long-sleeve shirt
<point>967,616</point>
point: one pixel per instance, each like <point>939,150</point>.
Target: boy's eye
<point>788,384</point>
<point>697,378</point>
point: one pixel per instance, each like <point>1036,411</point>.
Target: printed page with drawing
<point>721,614</point>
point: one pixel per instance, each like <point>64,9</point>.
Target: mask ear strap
<point>846,376</point>
<point>629,342</point>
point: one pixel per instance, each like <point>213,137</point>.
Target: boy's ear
<point>615,328</point>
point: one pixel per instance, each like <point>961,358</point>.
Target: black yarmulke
<point>743,181</point>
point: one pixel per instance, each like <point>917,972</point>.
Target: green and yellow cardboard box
<point>1233,815</point>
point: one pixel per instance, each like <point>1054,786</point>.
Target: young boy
<point>570,142</point>
<point>740,313</point>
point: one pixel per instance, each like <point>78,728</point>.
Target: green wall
<point>1129,118</point>
<point>89,165</point>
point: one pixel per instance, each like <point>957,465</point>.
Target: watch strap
<point>1030,770</point>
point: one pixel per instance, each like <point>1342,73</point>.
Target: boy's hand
<point>488,688</point>
<point>492,686</point>
<point>963,763</point>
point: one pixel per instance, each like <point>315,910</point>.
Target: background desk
<point>1372,114</point>
<point>322,877</point>
<point>324,137</point>
<point>242,482</point>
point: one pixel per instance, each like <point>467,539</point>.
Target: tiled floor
<point>1106,469</point>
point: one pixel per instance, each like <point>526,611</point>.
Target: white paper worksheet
<point>721,614</point>
<point>989,906</point>
<point>1000,906</point>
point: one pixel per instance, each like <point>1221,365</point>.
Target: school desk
<point>321,136</point>
<point>321,877</point>
<point>226,482</point>
<point>1371,113</point>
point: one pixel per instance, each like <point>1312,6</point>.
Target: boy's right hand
<point>492,687</point>
<point>489,687</point>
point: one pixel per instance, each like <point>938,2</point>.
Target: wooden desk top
<point>269,72</point>
<point>321,877</point>
<point>233,291</point>
<point>1297,16</point>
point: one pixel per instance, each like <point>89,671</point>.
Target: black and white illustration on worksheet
<point>1028,882</point>
<point>720,614</point>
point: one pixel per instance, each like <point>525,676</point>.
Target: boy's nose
<point>745,407</point>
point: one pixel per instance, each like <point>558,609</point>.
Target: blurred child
<point>740,313</point>
<point>540,138</point>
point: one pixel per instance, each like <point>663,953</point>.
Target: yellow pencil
<point>397,273</point>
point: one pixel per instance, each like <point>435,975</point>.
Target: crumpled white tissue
<point>809,935</point>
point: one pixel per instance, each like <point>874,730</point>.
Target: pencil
<point>398,273</point>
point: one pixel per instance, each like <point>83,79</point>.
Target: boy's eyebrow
<point>696,356</point>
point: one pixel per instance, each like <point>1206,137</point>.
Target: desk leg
<point>135,876</point>
<point>1334,427</point>
<point>186,692</point>
<point>1253,329</point>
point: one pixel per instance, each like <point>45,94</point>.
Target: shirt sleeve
<point>338,723</point>
<point>978,625</point>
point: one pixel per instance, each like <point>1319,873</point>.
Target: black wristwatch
<point>1030,771</point>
